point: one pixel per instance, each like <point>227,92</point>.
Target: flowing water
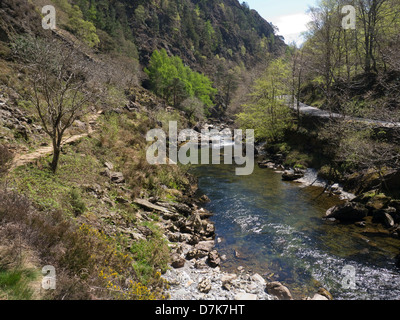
<point>276,229</point>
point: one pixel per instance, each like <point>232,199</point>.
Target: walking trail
<point>24,159</point>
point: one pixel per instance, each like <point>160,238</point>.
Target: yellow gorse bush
<point>115,269</point>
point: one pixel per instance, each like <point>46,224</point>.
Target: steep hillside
<point>195,30</point>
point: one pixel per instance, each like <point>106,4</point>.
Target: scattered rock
<point>206,246</point>
<point>227,281</point>
<point>194,223</point>
<point>204,285</point>
<point>152,207</point>
<point>214,259</point>
<point>377,202</point>
<point>196,254</point>
<point>279,290</point>
<point>109,165</point>
<point>177,261</point>
<point>189,283</point>
<point>115,177</point>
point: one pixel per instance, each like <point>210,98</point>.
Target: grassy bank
<point>85,225</point>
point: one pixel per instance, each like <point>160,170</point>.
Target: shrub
<point>5,159</point>
<point>151,255</point>
<point>87,261</point>
<point>78,206</point>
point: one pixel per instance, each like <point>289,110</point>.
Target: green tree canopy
<point>267,113</point>
<point>175,82</point>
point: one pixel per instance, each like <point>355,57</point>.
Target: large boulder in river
<point>348,212</point>
<point>292,175</point>
<point>278,290</point>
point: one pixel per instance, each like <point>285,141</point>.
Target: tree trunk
<point>56,156</point>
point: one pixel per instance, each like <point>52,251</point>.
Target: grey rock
<point>204,286</point>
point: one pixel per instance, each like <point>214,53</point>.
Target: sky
<point>288,15</point>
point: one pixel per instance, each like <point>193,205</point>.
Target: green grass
<point>150,255</point>
<point>62,190</point>
<point>14,284</point>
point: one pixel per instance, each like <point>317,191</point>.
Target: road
<point>315,112</point>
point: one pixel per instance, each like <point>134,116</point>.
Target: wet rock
<point>204,214</point>
<point>385,216</point>
<point>350,212</point>
<point>266,164</point>
<point>388,220</point>
<point>378,202</point>
<point>279,290</point>
<point>292,175</point>
<point>204,198</point>
<point>398,261</point>
<point>209,230</point>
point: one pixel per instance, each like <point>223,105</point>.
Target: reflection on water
<point>276,229</point>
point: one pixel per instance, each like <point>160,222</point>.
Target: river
<point>276,229</point>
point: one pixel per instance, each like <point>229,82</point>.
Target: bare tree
<point>371,14</point>
<point>60,85</point>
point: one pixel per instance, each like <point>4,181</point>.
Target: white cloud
<point>291,26</point>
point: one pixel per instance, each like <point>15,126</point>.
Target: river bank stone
<point>279,290</point>
<point>348,212</point>
<point>292,175</point>
<point>190,283</point>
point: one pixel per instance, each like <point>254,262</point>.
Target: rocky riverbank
<point>195,271</point>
